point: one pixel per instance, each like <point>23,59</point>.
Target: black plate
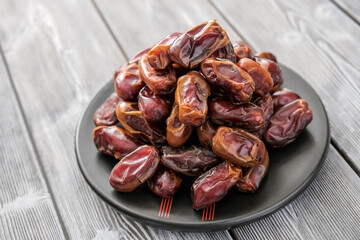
<point>291,170</point>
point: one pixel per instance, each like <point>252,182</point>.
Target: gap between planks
<point>332,140</point>
<point>32,144</point>
<point>345,11</point>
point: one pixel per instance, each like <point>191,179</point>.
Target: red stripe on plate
<point>212,218</point>
<point>168,213</point>
<point>163,210</point>
<point>206,213</point>
<point>162,201</point>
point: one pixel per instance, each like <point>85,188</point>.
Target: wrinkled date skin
<point>238,147</point>
<point>177,133</point>
<point>287,123</point>
<point>226,52</point>
<point>262,78</point>
<point>190,161</point>
<point>137,56</point>
<point>113,141</point>
<point>127,82</point>
<point>161,82</point>
<point>136,125</point>
<point>266,104</point>
<point>105,115</point>
<point>135,169</point>
<point>191,96</point>
<point>158,56</point>
<point>247,116</point>
<point>165,182</point>
<point>242,50</point>
<point>274,69</point>
<point>267,55</point>
<point>154,108</point>
<point>283,97</point>
<point>213,185</point>
<point>252,177</point>
<point>197,44</point>
<point>228,79</point>
<point>205,134</point>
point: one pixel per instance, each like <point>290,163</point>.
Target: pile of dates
<point>197,105</point>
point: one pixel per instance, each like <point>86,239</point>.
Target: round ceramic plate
<point>291,170</point>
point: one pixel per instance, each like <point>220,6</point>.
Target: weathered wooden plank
<point>320,42</point>
<point>60,54</point>
<point>292,222</point>
<point>350,7</point>
<point>26,208</point>
<point>328,209</point>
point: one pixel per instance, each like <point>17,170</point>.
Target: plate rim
<point>205,226</point>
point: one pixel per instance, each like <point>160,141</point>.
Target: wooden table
<point>55,55</point>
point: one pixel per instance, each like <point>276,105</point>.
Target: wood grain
<point>60,54</point>
<point>350,7</point>
<point>320,42</point>
<point>26,208</point>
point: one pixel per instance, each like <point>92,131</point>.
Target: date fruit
<point>191,96</point>
<point>135,169</point>
<point>113,141</point>
<point>205,134</point>
<point>154,108</point>
<point>137,56</point>
<point>287,123</point>
<point>165,182</point>
<point>136,125</point>
<point>242,50</point>
<point>228,79</point>
<point>127,82</point>
<point>197,44</point>
<point>252,177</point>
<point>190,161</point>
<point>105,115</point>
<point>266,104</point>
<point>283,97</point>
<point>238,147</point>
<point>213,185</point>
<point>274,69</point>
<point>247,116</point>
<point>158,56</point>
<point>226,52</point>
<point>161,82</point>
<point>267,55</point>
<point>177,133</point>
<point>261,77</point>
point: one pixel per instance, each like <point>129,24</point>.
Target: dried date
<point>226,52</point>
<point>252,177</point>
<point>266,104</point>
<point>136,125</point>
<point>165,182</point>
<point>242,50</point>
<point>228,79</point>
<point>262,78</point>
<point>213,185</point>
<point>105,115</point>
<point>127,82</point>
<point>137,56</point>
<point>135,169</point>
<point>161,82</point>
<point>191,96</point>
<point>113,141</point>
<point>177,133</point>
<point>287,123</point>
<point>197,44</point>
<point>247,116</point>
<point>238,147</point>
<point>205,134</point>
<point>283,97</point>
<point>190,161</point>
<point>274,69</point>
<point>267,55</point>
<point>158,56</point>
<point>154,108</point>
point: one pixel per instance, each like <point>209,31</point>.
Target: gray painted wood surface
<point>60,53</point>
<point>26,207</point>
<point>350,7</point>
<point>320,42</point>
